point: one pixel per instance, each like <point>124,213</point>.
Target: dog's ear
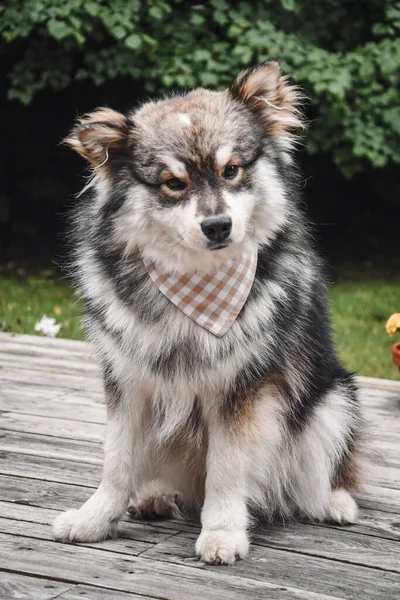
<point>98,135</point>
<point>267,92</point>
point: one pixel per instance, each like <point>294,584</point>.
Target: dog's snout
<point>217,228</point>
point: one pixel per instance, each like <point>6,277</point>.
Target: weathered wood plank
<point>14,586</point>
<point>51,446</point>
<point>380,425</point>
<point>59,408</point>
<point>126,544</point>
<point>48,365</point>
<point>384,476</point>
<point>131,574</point>
<point>85,398</point>
<point>386,452</point>
<point>380,384</point>
<point>24,377</point>
<point>380,401</point>
<point>380,498</point>
<point>343,546</point>
<point>252,578</point>
<point>63,428</point>
<point>50,469</point>
<point>41,493</point>
<point>179,548</point>
<point>81,592</point>
<point>18,346</point>
<point>84,592</point>
<point>26,393</point>
<point>47,342</point>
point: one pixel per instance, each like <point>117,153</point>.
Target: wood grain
<point>15,586</point>
<point>52,418</point>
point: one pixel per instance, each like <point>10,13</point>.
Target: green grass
<point>24,300</point>
<point>359,313</point>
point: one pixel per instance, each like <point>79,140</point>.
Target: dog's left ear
<point>267,92</point>
<point>99,135</point>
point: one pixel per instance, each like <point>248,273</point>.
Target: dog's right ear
<point>270,95</point>
<point>97,134</point>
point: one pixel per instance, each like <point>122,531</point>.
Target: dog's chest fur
<point>141,336</point>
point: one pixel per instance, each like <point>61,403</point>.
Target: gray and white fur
<point>261,422</point>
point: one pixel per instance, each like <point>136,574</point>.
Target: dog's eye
<point>230,171</point>
<point>175,184</point>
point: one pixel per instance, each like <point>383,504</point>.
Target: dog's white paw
<point>82,526</point>
<point>221,547</point>
<point>342,508</point>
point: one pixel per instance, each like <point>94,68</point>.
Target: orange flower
<point>393,324</point>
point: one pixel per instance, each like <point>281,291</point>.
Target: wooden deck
<point>52,423</point>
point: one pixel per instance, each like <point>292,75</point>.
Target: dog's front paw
<point>221,547</point>
<point>342,508</point>
<point>82,526</point>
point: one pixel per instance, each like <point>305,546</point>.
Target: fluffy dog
<point>263,420</point>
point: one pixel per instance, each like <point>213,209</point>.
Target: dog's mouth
<point>218,246</point>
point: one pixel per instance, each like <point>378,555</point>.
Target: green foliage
<point>345,54</point>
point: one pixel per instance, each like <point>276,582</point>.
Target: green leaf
<point>92,8</point>
<point>156,13</point>
<point>220,4</point>
<point>208,79</point>
<point>133,41</point>
<point>118,32</point>
<point>196,19</point>
<point>58,29</point>
<point>149,40</point>
<point>201,54</point>
<point>290,5</point>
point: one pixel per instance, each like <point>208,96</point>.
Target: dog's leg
<point>224,516</point>
<point>97,519</point>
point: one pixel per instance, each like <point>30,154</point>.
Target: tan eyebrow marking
<point>223,155</point>
<point>171,175</point>
<point>175,166</point>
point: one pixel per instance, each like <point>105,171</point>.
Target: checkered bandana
<point>214,300</point>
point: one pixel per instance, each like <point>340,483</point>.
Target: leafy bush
<point>344,53</point>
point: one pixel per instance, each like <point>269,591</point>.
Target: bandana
<point>213,301</point>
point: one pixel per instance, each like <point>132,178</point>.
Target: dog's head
<point>197,176</point>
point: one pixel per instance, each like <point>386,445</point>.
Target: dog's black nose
<point>217,228</point>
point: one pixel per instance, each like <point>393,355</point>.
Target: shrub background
<point>64,57</point>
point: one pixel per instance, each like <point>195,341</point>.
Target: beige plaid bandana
<point>214,300</point>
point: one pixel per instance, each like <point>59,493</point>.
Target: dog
<point>261,420</point>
